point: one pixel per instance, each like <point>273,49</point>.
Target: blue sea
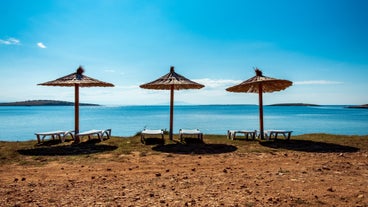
<point>18,123</point>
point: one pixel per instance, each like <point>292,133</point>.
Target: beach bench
<point>269,134</point>
<point>151,132</point>
<point>231,134</point>
<point>60,134</point>
<point>99,133</point>
<point>190,132</point>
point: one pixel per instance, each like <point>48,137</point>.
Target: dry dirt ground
<point>163,179</point>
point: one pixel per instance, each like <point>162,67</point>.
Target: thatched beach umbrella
<point>77,80</point>
<point>260,84</point>
<point>172,81</point>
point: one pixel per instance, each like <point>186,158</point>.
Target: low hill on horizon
<point>364,106</point>
<point>44,103</point>
<point>293,104</point>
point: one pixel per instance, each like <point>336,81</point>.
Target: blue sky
<point>320,45</point>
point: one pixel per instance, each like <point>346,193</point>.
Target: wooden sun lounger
<point>151,132</point>
<point>190,132</point>
<point>269,134</point>
<point>60,134</point>
<point>231,134</point>
<point>99,133</point>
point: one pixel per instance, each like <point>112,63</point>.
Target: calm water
<point>20,123</point>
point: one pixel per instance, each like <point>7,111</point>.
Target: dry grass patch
<point>29,152</point>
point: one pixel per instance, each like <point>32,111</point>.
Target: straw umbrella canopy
<point>77,80</point>
<point>172,81</point>
<point>260,84</point>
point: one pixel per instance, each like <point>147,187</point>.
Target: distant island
<point>364,106</point>
<point>293,104</point>
<point>44,103</point>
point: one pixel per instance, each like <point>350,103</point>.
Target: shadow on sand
<point>195,146</point>
<point>89,147</point>
<point>52,142</point>
<point>308,146</point>
<point>153,141</point>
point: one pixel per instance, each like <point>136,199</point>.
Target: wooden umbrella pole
<point>171,111</point>
<point>76,112</point>
<point>260,96</point>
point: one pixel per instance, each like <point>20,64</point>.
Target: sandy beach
<point>208,83</point>
<point>280,178</point>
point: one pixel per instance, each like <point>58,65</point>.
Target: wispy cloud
<point>10,41</point>
<point>219,83</point>
<point>41,45</point>
<point>213,83</point>
<point>128,87</point>
<point>109,71</point>
<point>317,82</point>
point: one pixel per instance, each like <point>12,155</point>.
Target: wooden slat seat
<point>269,134</point>
<point>231,134</point>
<point>190,132</point>
<point>151,132</point>
<point>94,132</point>
<point>60,134</point>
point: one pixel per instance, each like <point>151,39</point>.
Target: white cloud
<point>41,45</point>
<point>317,82</point>
<point>109,71</point>
<point>128,87</point>
<point>213,83</point>
<point>10,41</point>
